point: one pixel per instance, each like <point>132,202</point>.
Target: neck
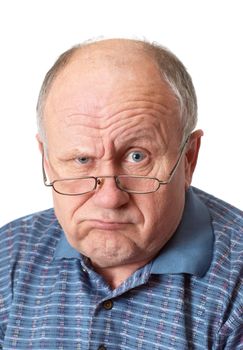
<point>116,275</point>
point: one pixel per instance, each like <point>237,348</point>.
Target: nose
<point>108,195</point>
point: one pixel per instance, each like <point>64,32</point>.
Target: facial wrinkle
<point>136,106</point>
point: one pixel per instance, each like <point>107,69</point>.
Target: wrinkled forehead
<point>103,79</point>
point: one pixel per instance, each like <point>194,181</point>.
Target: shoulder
<point>21,239</point>
<point>227,224</point>
<point>224,277</point>
<point>21,235</point>
<point>27,225</point>
<point>227,263</point>
<point>28,221</point>
<point>31,237</point>
<point>223,214</point>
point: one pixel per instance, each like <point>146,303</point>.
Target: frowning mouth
<point>108,225</point>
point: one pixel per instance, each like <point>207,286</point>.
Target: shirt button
<point>108,304</point>
<point>101,347</point>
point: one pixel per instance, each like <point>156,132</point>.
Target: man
<point>132,257</point>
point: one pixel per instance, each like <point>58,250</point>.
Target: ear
<point>191,155</point>
<point>45,164</point>
<point>40,143</point>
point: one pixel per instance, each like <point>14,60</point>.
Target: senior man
<point>131,257</point>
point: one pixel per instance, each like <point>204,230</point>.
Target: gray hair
<point>171,68</point>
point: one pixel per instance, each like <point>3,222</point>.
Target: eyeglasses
<point>128,183</point>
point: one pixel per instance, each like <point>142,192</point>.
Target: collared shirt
<point>188,297</point>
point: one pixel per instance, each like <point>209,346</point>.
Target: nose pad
<point>118,184</point>
<point>109,196</point>
<point>100,181</point>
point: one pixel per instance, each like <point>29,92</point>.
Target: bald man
<point>131,256</point>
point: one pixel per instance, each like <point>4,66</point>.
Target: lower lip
<point>108,225</point>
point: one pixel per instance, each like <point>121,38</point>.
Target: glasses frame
<point>115,177</point>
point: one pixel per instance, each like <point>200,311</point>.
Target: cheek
<point>65,208</point>
<point>152,207</point>
<point>162,212</point>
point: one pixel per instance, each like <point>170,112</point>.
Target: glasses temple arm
<point>171,174</point>
<point>43,172</point>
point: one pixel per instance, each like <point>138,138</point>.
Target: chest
<point>63,308</point>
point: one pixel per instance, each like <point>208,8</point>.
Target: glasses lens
<point>136,184</point>
<point>74,186</point>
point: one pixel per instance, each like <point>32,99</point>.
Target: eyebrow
<point>73,152</point>
<point>142,138</point>
<point>145,138</point>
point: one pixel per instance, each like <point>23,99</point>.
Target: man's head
<point>118,107</point>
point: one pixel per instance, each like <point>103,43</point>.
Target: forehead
<point>108,63</point>
<point>105,84</point>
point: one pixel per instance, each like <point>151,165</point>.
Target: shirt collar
<point>188,251</point>
<point>64,250</point>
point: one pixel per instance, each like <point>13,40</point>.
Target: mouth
<point>108,225</point>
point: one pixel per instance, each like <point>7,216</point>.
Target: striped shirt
<point>188,297</point>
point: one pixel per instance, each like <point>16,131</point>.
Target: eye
<point>83,160</point>
<point>136,156</point>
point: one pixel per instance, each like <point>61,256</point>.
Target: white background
<point>206,35</point>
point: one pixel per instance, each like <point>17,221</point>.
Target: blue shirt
<point>188,297</point>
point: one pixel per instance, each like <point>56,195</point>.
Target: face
<point>104,117</point>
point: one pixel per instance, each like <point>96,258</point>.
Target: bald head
<point>119,52</point>
<point>124,56</point>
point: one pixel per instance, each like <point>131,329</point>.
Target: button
<point>108,304</point>
<point>101,347</point>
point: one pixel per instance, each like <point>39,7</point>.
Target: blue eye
<point>83,160</point>
<point>136,156</point>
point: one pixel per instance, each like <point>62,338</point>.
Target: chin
<point>110,260</point>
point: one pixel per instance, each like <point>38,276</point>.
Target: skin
<point>102,110</point>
